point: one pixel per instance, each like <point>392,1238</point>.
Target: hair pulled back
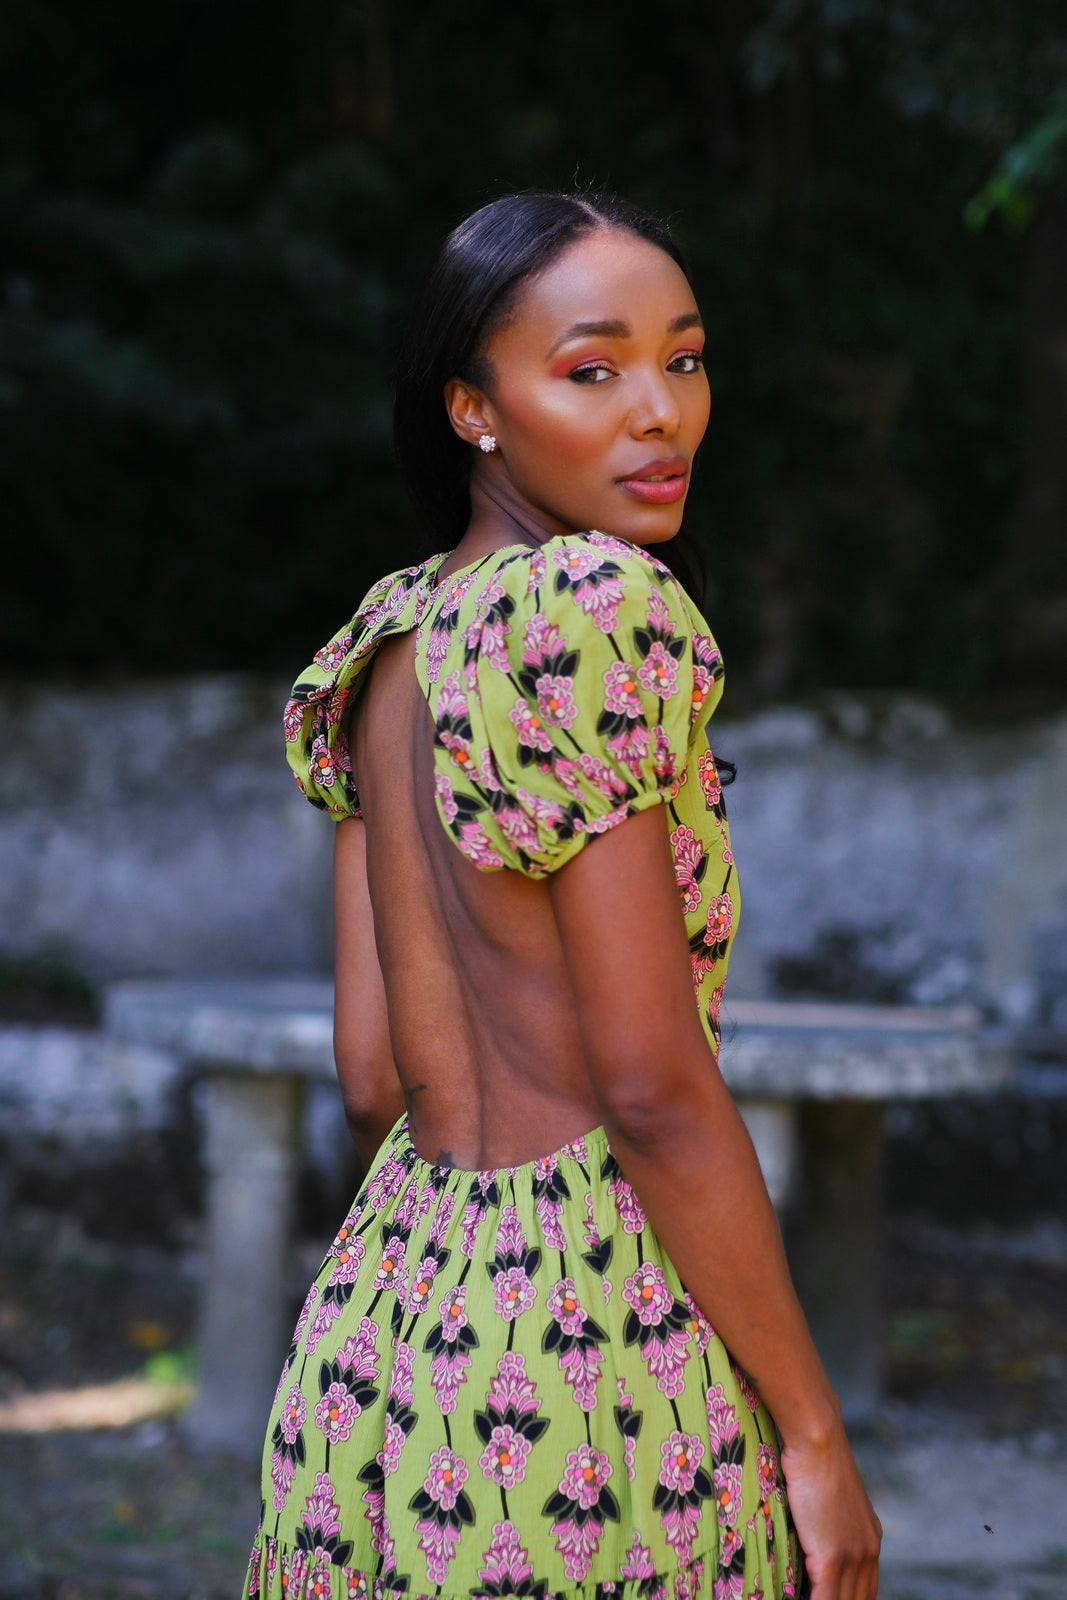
<point>466,296</point>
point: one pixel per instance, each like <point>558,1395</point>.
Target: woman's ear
<point>468,410</point>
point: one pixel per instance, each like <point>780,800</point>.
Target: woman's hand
<point>836,1524</point>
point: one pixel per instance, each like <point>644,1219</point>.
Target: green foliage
<point>1023,169</point>
<point>212,220</point>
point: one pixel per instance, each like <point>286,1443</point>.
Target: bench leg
<point>772,1127</point>
<point>251,1153</point>
<point>841,1257</point>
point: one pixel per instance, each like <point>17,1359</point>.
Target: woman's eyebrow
<point>615,328</point>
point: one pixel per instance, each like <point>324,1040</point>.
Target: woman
<point>544,1351</point>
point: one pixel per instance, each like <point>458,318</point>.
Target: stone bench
<point>811,1080</point>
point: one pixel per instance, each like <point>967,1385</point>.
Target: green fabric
<point>570,687</point>
<point>498,1385</point>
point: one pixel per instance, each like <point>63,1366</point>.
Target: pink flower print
<point>631,746</point>
<point>473,1213</point>
<point>577,1542</point>
<point>577,561</point>
<point>744,1383</point>
<point>647,1292</point>
<point>437,1541</point>
<point>358,1355</point>
<point>253,1571</point>
<point>503,1461</point>
<point>293,720</point>
<point>488,773</point>
<point>699,1326</point>
<point>318,1578</point>
<point>457,588</point>
<point>723,1425</point>
<point>665,1355</point>
<point>355,1584</point>
<point>386,1183</point>
<point>336,1412</point>
<point>510,1388</point>
<point>486,641</point>
<point>620,685</point>
<point>447,1371</point>
<point>530,726</point>
<point>550,1212</point>
<point>293,1414</point>
<point>282,1473</point>
<point>513,1293</point>
<point>453,1309</point>
<point>549,812</point>
<point>720,922</point>
<point>487,598</point>
<point>346,1261</point>
<point>451,701</point>
<point>664,760</point>
<point>680,1456</point>
<point>604,779</point>
<point>474,843</point>
<point>541,641</point>
<point>766,1470</point>
<point>601,601</point>
<point>446,1476</point>
<point>392,1444</point>
<point>538,568</point>
<point>585,1474</point>
<point>322,1512</point>
<point>727,1479</point>
<point>509,1235</point>
<point>681,1524</point>
<point>331,655</point>
<point>390,1274</point>
<point>457,745</point>
<point>700,690</point>
<point>637,1562</point>
<point>715,999</point>
<point>565,1307</point>
<point>518,828</point>
<point>688,865</point>
<point>401,1388</point>
<point>442,1217</point>
<point>507,1563</point>
<point>659,616</point>
<point>706,650</point>
<point>658,672</point>
<point>323,769</point>
<point>423,1284</point>
<point>555,699</point>
<point>581,1366</point>
<point>630,1210</point>
<point>710,783</point>
<point>404,1215</point>
<point>443,789</point>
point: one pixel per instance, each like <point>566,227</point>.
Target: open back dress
<point>498,1383</point>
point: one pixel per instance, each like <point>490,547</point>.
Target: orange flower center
<point>588,1473</point>
<point>504,1458</point>
<point>570,1304</point>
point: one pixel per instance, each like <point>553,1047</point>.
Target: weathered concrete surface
<point>156,829</point>
<point>81,1088</point>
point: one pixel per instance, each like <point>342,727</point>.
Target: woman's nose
<point>655,408</point>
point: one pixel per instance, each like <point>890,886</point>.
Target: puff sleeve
<point>586,675</point>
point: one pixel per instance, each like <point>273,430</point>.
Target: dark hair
<point>467,294</point>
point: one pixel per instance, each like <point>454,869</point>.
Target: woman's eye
<point>690,361</point>
<point>591,374</point>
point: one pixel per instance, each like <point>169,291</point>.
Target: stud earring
<point>487,442</point>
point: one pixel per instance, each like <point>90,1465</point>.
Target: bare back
<point>481,1012</point>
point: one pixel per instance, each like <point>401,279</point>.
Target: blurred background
<point>210,222</point>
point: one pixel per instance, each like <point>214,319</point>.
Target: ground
<point>967,1464</point>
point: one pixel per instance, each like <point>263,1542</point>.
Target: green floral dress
<point>498,1384</point>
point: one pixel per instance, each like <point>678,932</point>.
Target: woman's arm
<point>370,1088</point>
<point>683,1146</point>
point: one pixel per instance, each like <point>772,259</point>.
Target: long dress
<point>498,1383</point>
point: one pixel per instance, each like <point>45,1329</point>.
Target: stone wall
<point>883,848</point>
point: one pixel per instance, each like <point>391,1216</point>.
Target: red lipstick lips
<point>658,483</point>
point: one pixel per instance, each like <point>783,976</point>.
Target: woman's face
<point>598,397</point>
